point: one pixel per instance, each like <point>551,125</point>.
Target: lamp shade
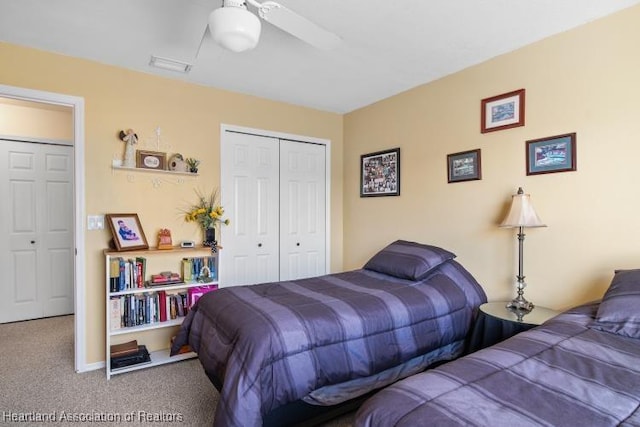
<point>234,28</point>
<point>521,213</point>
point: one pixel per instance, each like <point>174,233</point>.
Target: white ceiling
<point>387,46</point>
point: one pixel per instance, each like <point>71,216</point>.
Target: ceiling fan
<point>234,27</point>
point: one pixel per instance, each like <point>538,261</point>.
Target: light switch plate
<point>95,222</point>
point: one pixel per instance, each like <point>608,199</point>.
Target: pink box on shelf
<point>196,292</point>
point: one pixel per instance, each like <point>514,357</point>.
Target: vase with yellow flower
<point>208,214</point>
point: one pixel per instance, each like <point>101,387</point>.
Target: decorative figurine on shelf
<point>193,164</point>
<point>130,139</point>
<point>164,239</point>
<point>205,275</point>
<point>177,163</point>
<point>208,213</point>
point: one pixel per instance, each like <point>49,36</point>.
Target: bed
<point>580,368</point>
<point>325,341</point>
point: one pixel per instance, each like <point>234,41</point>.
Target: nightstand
<point>496,323</point>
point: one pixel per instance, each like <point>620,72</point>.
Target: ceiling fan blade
<point>204,34</point>
<point>299,26</point>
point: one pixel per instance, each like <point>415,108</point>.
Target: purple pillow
<point>408,260</point>
<point>619,311</point>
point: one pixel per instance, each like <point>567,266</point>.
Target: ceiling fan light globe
<point>234,28</point>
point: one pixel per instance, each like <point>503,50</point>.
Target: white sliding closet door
<point>249,181</point>
<point>302,210</point>
<point>274,193</point>
<point>36,257</point>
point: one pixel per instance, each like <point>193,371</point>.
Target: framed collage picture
<point>380,173</point>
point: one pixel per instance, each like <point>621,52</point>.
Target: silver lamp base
<point>520,304</point>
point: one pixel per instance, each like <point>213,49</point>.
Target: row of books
<point>126,274</point>
<point>198,268</point>
<point>150,307</point>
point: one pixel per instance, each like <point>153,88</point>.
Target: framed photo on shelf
<point>502,111</point>
<point>380,173</point>
<point>551,154</point>
<point>151,160</point>
<point>127,232</point>
<point>464,166</point>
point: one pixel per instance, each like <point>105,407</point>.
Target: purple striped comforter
<point>558,374</point>
<point>274,343</point>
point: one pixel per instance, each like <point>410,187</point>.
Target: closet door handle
<point>298,244</point>
<point>259,245</point>
<point>33,242</point>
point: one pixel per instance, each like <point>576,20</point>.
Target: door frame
<point>299,138</point>
<point>77,105</point>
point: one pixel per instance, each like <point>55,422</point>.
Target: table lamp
<point>521,215</point>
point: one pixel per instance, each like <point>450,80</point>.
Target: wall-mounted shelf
<point>123,168</point>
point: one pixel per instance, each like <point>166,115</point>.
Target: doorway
<point>76,104</point>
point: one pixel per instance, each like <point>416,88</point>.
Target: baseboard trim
<point>90,367</point>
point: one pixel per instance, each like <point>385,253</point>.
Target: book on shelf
<point>121,276</point>
<point>166,283</point>
<point>115,313</point>
<point>141,267</point>
<point>187,269</point>
<point>114,275</point>
<point>184,349</point>
<point>125,349</point>
<point>194,294</point>
<point>162,305</point>
<point>141,356</point>
<point>165,278</point>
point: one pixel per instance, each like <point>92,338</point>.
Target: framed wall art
<point>380,173</point>
<point>464,166</point>
<point>127,232</point>
<point>551,154</point>
<point>502,111</point>
<point>151,160</point>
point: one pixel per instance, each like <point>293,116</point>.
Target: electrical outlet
<point>95,222</point>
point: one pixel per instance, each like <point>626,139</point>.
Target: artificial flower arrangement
<point>206,212</point>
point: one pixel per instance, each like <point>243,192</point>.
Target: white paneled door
<point>302,210</point>
<point>274,192</point>
<point>36,258</point>
<point>249,178</point>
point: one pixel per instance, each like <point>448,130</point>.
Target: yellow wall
<point>583,81</point>
<point>189,117</point>
<point>35,120</point>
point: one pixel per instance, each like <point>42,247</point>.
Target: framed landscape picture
<point>464,166</point>
<point>380,173</point>
<point>502,111</point>
<point>551,154</point>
